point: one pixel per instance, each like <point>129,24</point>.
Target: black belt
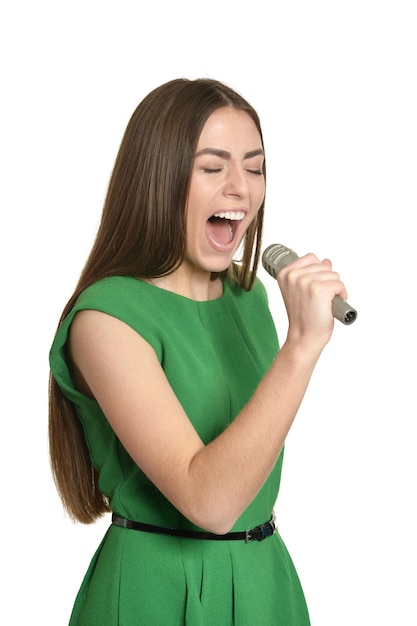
<point>258,533</point>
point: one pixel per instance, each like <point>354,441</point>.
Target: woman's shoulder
<point>118,296</point>
<point>122,297</point>
<point>108,288</point>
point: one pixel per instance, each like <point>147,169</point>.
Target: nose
<point>236,182</point>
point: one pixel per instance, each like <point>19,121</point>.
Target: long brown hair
<point>142,234</point>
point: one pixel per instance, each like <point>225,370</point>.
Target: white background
<point>335,86</point>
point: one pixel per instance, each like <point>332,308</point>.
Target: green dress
<point>214,354</point>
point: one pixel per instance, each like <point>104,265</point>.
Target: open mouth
<point>224,225</point>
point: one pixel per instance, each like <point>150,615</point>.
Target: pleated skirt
<point>142,579</point>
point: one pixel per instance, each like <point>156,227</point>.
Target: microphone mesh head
<point>276,257</point>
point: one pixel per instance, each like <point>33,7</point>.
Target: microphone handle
<point>277,256</point>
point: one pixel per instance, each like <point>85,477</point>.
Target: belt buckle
<point>260,532</point>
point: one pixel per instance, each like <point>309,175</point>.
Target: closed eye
<point>214,170</point>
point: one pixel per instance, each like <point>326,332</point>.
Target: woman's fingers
<point>308,287</point>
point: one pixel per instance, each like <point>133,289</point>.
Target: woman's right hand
<point>308,287</point>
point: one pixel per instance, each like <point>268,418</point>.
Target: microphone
<point>277,256</point>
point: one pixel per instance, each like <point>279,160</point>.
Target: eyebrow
<point>223,154</point>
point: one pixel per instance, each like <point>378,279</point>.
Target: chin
<point>212,261</point>
<point>218,267</point>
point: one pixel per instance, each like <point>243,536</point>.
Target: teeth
<point>231,215</point>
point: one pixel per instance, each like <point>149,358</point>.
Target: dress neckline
<point>178,296</point>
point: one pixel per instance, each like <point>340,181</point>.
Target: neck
<point>191,283</point>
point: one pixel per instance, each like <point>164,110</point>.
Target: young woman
<point>170,400</point>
